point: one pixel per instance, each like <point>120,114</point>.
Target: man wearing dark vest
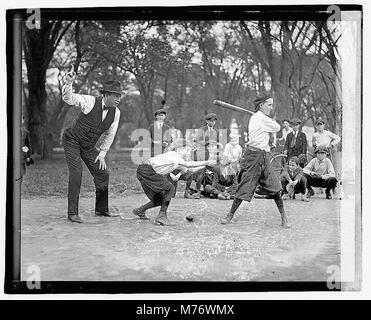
<point>99,116</point>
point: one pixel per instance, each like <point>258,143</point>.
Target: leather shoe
<point>310,193</point>
<point>197,195</point>
<point>221,197</point>
<point>106,214</point>
<point>227,219</point>
<point>140,214</point>
<point>187,195</point>
<point>74,218</point>
<point>162,219</point>
<point>328,195</point>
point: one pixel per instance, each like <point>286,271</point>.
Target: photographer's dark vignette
<point>14,107</point>
<point>179,287</point>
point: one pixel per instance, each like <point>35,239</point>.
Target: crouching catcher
<point>153,176</point>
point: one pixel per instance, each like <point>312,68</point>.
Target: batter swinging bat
<point>231,106</point>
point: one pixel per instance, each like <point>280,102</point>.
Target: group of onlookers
<point>299,177</point>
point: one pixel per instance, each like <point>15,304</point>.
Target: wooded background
<point>187,63</point>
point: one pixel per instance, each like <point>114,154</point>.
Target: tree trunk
<point>37,107</point>
<point>39,46</point>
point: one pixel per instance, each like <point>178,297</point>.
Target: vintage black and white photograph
<point>196,145</point>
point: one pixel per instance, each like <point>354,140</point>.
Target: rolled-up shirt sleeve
<point>109,135</point>
<point>330,170</point>
<point>84,102</point>
<point>308,169</point>
<point>335,139</point>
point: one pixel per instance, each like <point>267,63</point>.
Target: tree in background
<point>39,46</point>
<point>189,64</point>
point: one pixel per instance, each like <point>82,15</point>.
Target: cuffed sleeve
<point>84,102</point>
<point>335,139</point>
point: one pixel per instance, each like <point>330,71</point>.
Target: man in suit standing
<point>99,116</point>
<point>160,132</point>
<point>207,137</point>
<point>296,143</point>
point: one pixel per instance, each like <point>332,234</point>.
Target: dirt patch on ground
<point>124,248</point>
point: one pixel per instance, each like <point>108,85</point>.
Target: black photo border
<point>13,285</point>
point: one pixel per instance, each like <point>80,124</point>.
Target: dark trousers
<point>300,187</point>
<point>329,183</point>
<point>157,187</point>
<point>256,171</point>
<point>74,153</point>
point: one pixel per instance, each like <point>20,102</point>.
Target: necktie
<point>293,141</point>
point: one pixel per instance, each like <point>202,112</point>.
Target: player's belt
<point>254,149</point>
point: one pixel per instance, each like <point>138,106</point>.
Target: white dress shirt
<point>159,124</point>
<point>166,162</point>
<point>325,138</point>
<point>260,128</point>
<point>86,104</point>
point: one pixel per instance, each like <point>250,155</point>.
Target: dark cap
<point>211,116</point>
<point>261,99</point>
<point>319,121</point>
<point>295,121</point>
<point>321,150</point>
<point>159,111</point>
<point>112,86</point>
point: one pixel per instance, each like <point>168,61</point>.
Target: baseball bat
<point>231,106</point>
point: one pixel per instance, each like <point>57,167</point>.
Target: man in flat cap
<point>256,169</point>
<point>320,173</point>
<point>160,132</point>
<point>296,143</point>
<point>99,116</point>
<point>207,139</point>
<point>207,136</point>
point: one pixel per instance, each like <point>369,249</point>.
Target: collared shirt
<point>86,104</point>
<point>323,168</point>
<point>166,162</point>
<point>260,128</point>
<point>159,124</point>
<point>325,138</point>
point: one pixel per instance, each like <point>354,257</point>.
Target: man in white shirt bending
<point>153,178</point>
